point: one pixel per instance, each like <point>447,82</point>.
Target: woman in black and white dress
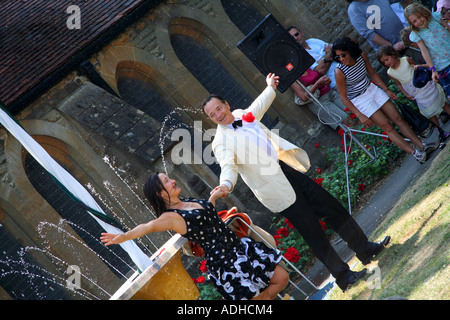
<point>369,101</point>
<point>241,268</point>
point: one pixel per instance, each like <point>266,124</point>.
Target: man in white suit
<point>273,169</point>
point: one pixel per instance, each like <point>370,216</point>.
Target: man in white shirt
<point>278,182</point>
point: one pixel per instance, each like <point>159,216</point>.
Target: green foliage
<point>208,291</point>
<point>362,169</point>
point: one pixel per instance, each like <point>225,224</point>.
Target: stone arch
<point>22,275</point>
<point>68,148</point>
<point>68,209</point>
<point>207,30</point>
<point>154,94</point>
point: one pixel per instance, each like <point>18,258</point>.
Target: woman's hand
<point>218,192</point>
<point>112,238</point>
<point>365,121</point>
<point>303,95</point>
<point>391,95</point>
<point>324,80</point>
<point>410,97</point>
<point>222,188</point>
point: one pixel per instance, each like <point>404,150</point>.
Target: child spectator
<point>430,98</point>
<point>432,36</point>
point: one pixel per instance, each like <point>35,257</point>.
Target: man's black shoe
<point>377,248</point>
<point>351,278</point>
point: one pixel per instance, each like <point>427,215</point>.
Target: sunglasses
<point>340,56</point>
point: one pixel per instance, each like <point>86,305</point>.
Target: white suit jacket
<point>261,172</point>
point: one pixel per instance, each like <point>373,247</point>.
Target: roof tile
<point>35,40</point>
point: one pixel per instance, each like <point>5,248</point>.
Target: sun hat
<point>442,4</point>
<point>421,77</point>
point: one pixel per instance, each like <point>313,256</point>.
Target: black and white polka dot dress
<point>240,268</point>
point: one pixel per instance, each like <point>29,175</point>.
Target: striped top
<point>356,79</point>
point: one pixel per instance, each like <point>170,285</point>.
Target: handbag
<point>300,102</point>
<point>418,122</point>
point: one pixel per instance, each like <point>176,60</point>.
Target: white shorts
<point>371,100</point>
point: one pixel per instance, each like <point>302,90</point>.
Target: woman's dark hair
<point>152,188</point>
<point>346,44</point>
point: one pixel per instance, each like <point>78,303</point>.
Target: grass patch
<point>415,265</point>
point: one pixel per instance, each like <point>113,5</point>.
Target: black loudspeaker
<point>273,50</point>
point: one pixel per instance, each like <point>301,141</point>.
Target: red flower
<point>361,187</point>
<point>341,132</point>
<point>277,238</point>
<point>319,170</point>
<point>283,231</point>
<point>317,145</point>
<point>353,116</point>
<point>350,162</point>
<point>323,224</point>
<point>248,117</point>
<point>200,279</point>
<point>318,181</point>
<point>292,254</point>
<point>346,109</point>
<point>203,267</point>
<point>290,225</point>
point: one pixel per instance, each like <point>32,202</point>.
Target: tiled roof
<point>35,40</point>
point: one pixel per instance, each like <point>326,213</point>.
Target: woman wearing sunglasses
<point>363,91</point>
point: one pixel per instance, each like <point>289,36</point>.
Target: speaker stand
<point>347,132</point>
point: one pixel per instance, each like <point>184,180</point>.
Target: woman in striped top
<point>365,98</point>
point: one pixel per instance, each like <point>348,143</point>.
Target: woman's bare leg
<point>380,119</point>
<point>446,108</point>
<point>392,113</point>
<point>277,283</point>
